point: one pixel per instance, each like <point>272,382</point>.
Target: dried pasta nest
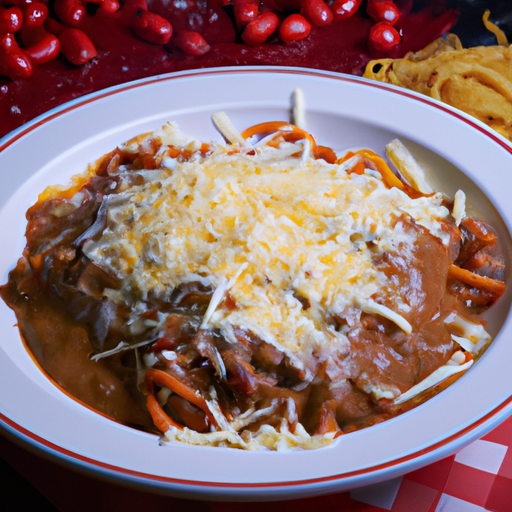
<point>476,80</point>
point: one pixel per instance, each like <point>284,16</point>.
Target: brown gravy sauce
<point>56,295</point>
<point>61,342</point>
<point>62,348</point>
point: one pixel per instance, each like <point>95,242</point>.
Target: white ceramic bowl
<point>341,112</point>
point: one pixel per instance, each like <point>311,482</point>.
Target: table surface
<point>476,479</point>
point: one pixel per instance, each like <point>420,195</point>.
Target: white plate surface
<point>341,112</point>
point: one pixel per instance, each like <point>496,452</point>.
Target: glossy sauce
<point>57,296</point>
<point>122,56</point>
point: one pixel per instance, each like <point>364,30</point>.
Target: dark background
<point>469,26</point>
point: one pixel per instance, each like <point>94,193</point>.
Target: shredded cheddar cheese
<point>282,228</point>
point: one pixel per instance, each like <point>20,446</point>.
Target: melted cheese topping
<point>272,226</point>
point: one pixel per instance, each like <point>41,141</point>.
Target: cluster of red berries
<point>35,32</point>
<point>29,36</point>
<point>258,27</point>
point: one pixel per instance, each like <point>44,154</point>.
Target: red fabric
<point>477,479</point>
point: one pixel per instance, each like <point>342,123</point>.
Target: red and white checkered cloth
<point>477,479</point>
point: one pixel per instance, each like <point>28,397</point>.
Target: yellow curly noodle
<point>476,80</point>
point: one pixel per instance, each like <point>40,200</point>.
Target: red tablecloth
<point>477,479</point>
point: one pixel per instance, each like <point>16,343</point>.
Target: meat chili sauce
<point>177,358</point>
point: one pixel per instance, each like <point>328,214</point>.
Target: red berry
<point>383,10</point>
<point>192,43</point>
<point>109,6</point>
<point>35,14</point>
<point>76,46</point>
<point>294,28</point>
<point>11,19</point>
<point>261,28</point>
<point>153,28</point>
<point>245,11</point>
<point>383,37</point>
<point>13,62</point>
<point>44,50</point>
<point>70,12</point>
<point>317,12</point>
<point>345,8</point>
